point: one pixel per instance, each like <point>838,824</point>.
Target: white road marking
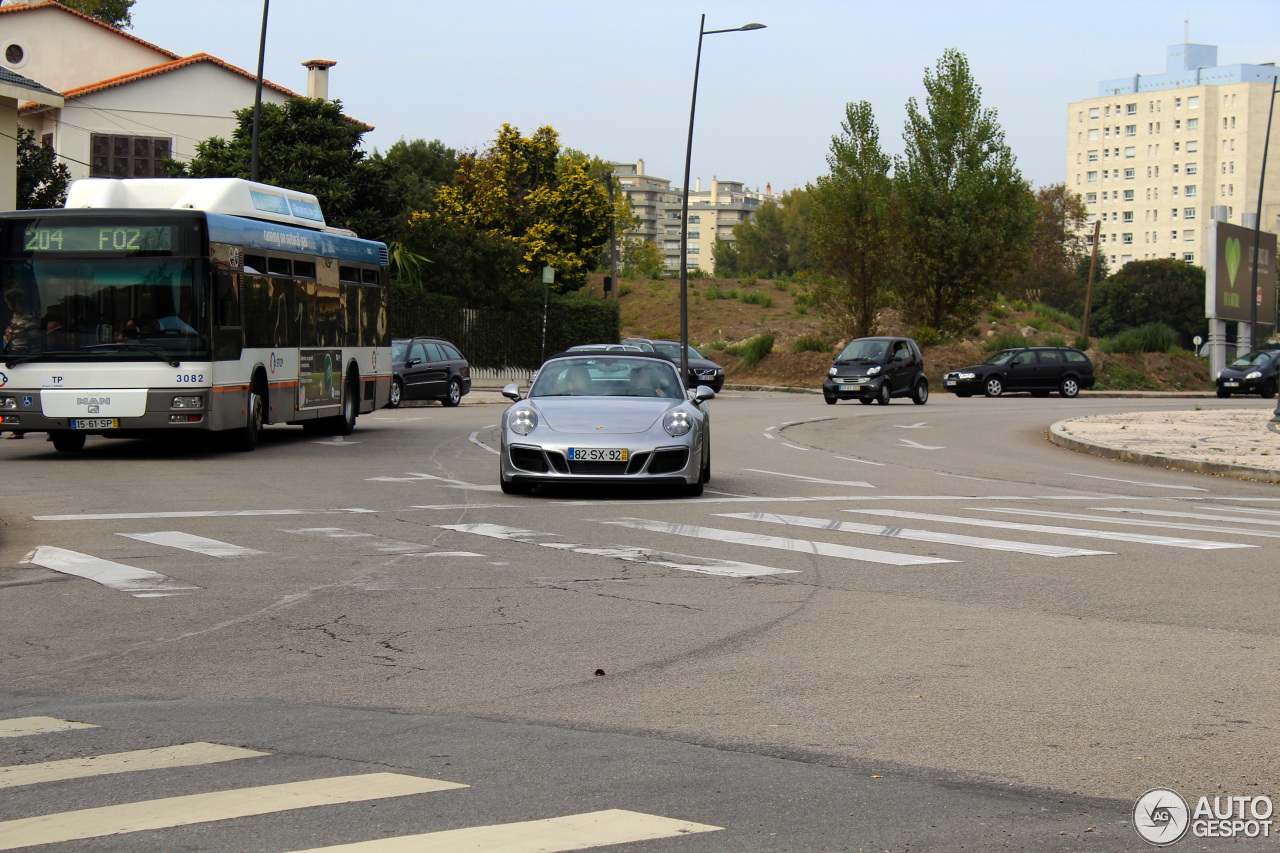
<point>550,835</point>
<point>1140,483</point>
<point>863,461</point>
<point>200,513</point>
<point>443,481</point>
<point>1203,516</point>
<point>917,425</point>
<point>182,755</point>
<point>336,441</point>
<point>803,546</point>
<point>1135,522</point>
<point>1236,508</point>
<point>1174,542</point>
<point>770,428</point>
<point>399,420</point>
<point>793,446</point>
<point>450,554</point>
<point>853,483</point>
<point>769,435</point>
<point>683,562</point>
<point>205,808</point>
<point>918,535</point>
<point>464,506</point>
<point>377,543</point>
<point>197,544</point>
<point>906,442</point>
<point>26,726</point>
<point>478,443</point>
<point>139,583</point>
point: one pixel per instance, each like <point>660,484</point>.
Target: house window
<point>1130,130</point>
<point>1190,169</point>
<point>1177,103</point>
<point>1177,124</point>
<point>1091,198</point>
<point>1189,213</point>
<point>1093,133</point>
<point>1131,109</point>
<point>1193,146</point>
<point>1128,195</point>
<point>128,156</point>
<point>1093,156</point>
<point>1189,236</point>
<point>1128,174</point>
<point>1128,216</point>
<point>1174,213</point>
<point>1189,257</point>
<point>1193,124</point>
<point>1189,190</point>
<point>1092,177</point>
<point>1130,152</point>
<point>1127,239</point>
<point>1093,112</point>
<point>1193,102</point>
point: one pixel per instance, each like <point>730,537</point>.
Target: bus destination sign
<point>95,239</point>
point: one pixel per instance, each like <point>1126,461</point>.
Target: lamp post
<point>684,204</point>
<point>257,97</point>
<point>1257,232</point>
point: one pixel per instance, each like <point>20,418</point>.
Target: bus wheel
<point>345,423</point>
<point>68,441</point>
<point>246,438</point>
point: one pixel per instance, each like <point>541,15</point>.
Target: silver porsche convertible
<point>606,418</point>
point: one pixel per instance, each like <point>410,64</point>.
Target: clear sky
<point>614,78</point>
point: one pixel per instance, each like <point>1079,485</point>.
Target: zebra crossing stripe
<point>1203,516</point>
<point>551,835</point>
<point>803,546</point>
<point>25,726</point>
<point>1138,522</point>
<point>683,562</point>
<point>367,540</point>
<point>206,808</point>
<point>1120,536</point>
<point>861,484</point>
<point>918,535</point>
<point>195,544</point>
<point>139,583</point>
<point>182,755</point>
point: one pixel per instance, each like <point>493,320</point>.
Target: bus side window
<point>258,312</point>
<point>226,295</point>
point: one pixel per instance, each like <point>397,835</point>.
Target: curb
<point>1058,435</point>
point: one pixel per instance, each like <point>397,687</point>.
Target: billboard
<point>1231,273</point>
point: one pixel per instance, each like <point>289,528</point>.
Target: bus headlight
<point>187,403</point>
<point>8,402</point>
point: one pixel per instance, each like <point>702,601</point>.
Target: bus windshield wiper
<point>139,345</point>
<point>11,360</point>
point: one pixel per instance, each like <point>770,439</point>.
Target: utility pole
<point>257,98</point>
<point>1088,294</point>
<point>613,243</point>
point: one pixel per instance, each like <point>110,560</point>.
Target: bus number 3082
<point>190,378</point>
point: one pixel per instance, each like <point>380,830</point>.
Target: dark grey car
<point>428,369</point>
<point>876,369</point>
<point>1040,370</point>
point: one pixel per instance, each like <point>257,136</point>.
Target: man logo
<point>1161,817</point>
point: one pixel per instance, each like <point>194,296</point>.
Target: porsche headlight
<point>677,423</point>
<point>872,371</point>
<point>523,421</point>
<point>1256,374</point>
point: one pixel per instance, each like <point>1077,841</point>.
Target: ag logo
<point>1161,817</point>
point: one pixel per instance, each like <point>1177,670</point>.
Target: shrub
<point>732,293</point>
<point>663,335</point>
<point>1062,318</point>
<point>747,282</point>
<point>713,346</point>
<point>698,273</point>
<point>1055,341</point>
<point>926,335</point>
<point>1081,342</point>
<point>804,299</point>
<point>713,291</point>
<point>1117,377</point>
<point>764,300</point>
<point>623,289</point>
<point>999,311</point>
<point>782,284</point>
<point>657,286</point>
<point>810,343</point>
<point>1020,305</point>
<point>1000,342</point>
<point>1153,337</point>
<point>752,350</point>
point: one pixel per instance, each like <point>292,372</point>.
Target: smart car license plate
<point>95,423</point>
<point>597,454</point>
<point>848,387</point>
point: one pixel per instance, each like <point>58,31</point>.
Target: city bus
<point>153,306</point>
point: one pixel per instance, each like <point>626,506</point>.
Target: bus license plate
<point>597,454</point>
<point>95,423</point>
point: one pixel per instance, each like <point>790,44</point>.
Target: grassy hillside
<point>723,312</point>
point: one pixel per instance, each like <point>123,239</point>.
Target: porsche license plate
<point>597,454</point>
<point>95,423</point>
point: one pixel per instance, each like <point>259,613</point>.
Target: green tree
<point>115,13</point>
<point>1155,291</point>
<point>797,206</point>
<point>967,211</point>
<point>42,180</point>
<point>853,229</point>
<point>641,257</point>
<point>724,257</point>
<point>773,242</point>
<point>1056,247</point>
<point>556,213</point>
<point>307,144</point>
<point>420,168</point>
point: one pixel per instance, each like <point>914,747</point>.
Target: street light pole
<point>1257,233</point>
<point>257,97</point>
<point>684,204</point>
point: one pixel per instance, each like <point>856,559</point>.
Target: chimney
<point>697,185</point>
<point>639,167</point>
<point>768,189</point>
<point>318,77</point>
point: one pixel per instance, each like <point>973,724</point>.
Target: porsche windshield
<point>606,376</point>
<point>103,307</point>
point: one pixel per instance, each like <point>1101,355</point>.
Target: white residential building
<point>1151,154</point>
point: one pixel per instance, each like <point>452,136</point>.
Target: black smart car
<point>1252,373</point>
<point>877,369</point>
<point>1040,370</point>
<point>428,369</point>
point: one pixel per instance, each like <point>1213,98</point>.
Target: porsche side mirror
<point>512,392</point>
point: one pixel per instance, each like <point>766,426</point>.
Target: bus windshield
<point>107,308</point>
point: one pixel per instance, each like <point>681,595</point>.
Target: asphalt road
<point>889,627</point>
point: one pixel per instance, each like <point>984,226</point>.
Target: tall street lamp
<point>684,204</point>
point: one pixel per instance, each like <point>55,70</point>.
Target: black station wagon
<point>1040,370</point>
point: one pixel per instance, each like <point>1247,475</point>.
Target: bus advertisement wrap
<point>319,378</point>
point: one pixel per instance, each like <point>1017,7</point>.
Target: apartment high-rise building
<point>1151,154</point>
<point>712,213</point>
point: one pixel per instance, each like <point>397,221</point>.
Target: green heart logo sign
<point>1233,259</point>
